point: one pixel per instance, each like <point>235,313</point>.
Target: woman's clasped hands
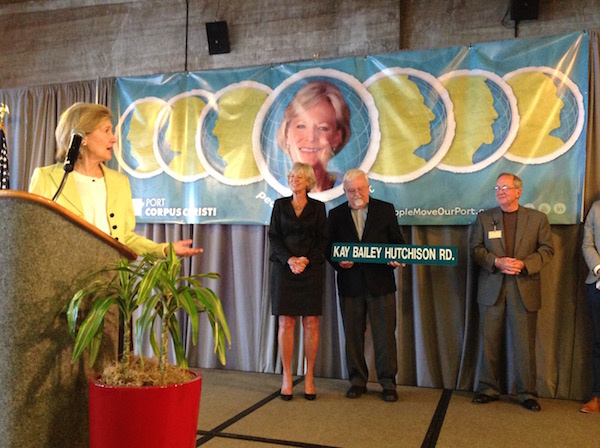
<point>297,264</point>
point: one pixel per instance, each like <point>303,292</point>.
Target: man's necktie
<point>360,223</point>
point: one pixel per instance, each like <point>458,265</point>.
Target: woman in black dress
<point>298,238</point>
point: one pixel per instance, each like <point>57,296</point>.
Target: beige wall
<point>52,41</point>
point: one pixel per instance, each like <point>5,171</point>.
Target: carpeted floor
<point>243,410</point>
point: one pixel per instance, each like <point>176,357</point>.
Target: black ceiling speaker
<point>218,37</point>
<point>524,9</point>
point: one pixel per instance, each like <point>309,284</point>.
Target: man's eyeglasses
<point>504,188</point>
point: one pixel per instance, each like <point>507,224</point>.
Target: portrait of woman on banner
<point>315,128</point>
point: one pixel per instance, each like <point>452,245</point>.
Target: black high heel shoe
<point>286,397</point>
<point>310,397</point>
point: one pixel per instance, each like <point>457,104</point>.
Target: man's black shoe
<point>485,398</point>
<point>355,391</point>
<point>389,395</point>
<point>531,405</point>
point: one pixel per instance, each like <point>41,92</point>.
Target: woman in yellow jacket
<point>96,193</point>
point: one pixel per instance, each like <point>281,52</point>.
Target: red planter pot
<point>149,417</point>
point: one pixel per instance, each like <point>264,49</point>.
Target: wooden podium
<point>43,396</point>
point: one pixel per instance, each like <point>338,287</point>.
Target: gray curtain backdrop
<point>438,319</point>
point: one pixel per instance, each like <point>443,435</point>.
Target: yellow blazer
<point>119,207</point>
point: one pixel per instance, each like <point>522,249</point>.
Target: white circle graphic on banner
<point>175,135</point>
<point>135,130</point>
<point>487,119</point>
<point>552,114</point>
<point>417,123</point>
<point>224,137</point>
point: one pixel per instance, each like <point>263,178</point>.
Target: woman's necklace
<point>297,206</point>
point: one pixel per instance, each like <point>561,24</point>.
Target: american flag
<point>4,175</point>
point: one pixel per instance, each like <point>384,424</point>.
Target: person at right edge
<point>591,253</point>
<point>366,288</point>
<point>511,244</point>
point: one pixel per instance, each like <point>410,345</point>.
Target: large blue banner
<point>432,128</point>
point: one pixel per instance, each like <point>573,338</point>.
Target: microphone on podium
<point>72,154</point>
<point>73,151</point>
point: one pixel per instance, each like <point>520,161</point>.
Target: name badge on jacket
<point>494,234</point>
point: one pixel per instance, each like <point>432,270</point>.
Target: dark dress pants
<point>508,316</point>
<point>382,317</point>
<point>594,306</point>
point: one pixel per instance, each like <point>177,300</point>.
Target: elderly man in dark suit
<point>511,244</point>
<point>367,288</point>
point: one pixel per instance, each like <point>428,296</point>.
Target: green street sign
<point>402,253</point>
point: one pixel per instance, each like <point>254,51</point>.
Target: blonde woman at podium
<point>93,191</point>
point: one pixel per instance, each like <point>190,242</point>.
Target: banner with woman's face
<point>432,129</point>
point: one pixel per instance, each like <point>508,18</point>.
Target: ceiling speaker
<point>218,37</point>
<point>524,9</point>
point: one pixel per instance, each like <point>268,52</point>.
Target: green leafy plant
<point>158,287</point>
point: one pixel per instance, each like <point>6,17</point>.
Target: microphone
<point>73,151</point>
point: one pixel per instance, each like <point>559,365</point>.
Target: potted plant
<point>136,402</point>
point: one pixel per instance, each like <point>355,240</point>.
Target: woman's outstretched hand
<point>183,249</point>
